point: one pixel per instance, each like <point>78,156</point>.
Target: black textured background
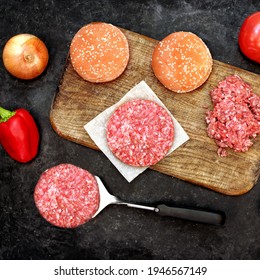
<point>118,232</point>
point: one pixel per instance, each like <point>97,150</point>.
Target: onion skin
<point>25,56</point>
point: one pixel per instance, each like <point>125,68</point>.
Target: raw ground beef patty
<point>140,132</point>
<point>67,196</point>
<point>235,118</point>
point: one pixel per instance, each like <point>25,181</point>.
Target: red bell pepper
<point>19,134</point>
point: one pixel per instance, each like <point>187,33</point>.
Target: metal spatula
<point>194,215</point>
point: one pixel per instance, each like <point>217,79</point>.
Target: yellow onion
<point>25,56</point>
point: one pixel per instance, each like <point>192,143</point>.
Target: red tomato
<point>249,37</point>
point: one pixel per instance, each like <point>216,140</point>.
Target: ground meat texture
<point>235,118</point>
<point>140,132</point>
<point>182,62</point>
<point>99,52</point>
<point>67,196</point>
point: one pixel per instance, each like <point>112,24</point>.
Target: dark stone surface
<point>118,232</point>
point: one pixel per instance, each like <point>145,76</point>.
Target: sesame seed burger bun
<point>182,62</point>
<point>99,52</point>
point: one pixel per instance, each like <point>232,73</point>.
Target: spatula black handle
<point>194,215</point>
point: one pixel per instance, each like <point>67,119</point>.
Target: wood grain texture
<point>77,102</point>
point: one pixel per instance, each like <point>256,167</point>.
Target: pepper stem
<point>5,115</point>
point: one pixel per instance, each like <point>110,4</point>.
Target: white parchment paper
<point>96,129</point>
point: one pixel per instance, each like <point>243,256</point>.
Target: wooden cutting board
<point>77,102</point>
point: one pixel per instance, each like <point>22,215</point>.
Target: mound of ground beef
<point>235,118</point>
